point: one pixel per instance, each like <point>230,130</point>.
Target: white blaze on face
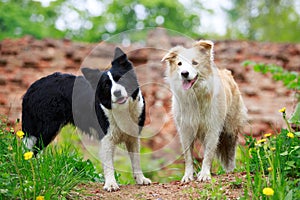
<point>118,92</point>
<point>185,65</point>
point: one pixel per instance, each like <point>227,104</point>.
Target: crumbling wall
<point>25,60</point>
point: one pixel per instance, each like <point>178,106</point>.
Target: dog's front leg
<point>133,148</point>
<point>210,146</point>
<point>106,154</point>
<point>187,141</point>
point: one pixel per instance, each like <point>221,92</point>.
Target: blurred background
<point>95,20</point>
<point>39,37</point>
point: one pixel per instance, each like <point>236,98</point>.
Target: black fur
<point>47,106</point>
<point>59,99</point>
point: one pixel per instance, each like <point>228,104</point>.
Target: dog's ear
<point>172,54</point>
<point>92,75</point>
<point>120,57</point>
<point>206,46</point>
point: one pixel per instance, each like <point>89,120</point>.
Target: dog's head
<point>115,86</point>
<point>190,65</point>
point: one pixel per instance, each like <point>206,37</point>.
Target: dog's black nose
<point>185,74</point>
<point>117,93</point>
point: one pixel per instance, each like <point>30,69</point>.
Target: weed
<point>290,79</point>
<point>213,190</point>
<point>52,174</point>
<point>273,163</point>
<point>238,183</point>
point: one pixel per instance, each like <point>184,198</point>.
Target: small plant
<point>273,164</point>
<point>238,183</point>
<point>212,190</point>
<point>290,79</point>
<point>51,174</point>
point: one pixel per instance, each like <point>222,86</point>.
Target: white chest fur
<point>200,108</point>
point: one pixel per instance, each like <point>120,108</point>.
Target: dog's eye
<point>194,63</point>
<point>179,64</point>
<point>106,85</point>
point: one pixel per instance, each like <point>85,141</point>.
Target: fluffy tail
<point>226,150</point>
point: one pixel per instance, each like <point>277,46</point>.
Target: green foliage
<point>52,173</point>
<point>274,162</point>
<point>64,18</point>
<point>167,13</point>
<point>76,20</point>
<point>264,20</point>
<point>18,18</point>
<point>290,79</point>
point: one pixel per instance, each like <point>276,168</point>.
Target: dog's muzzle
<point>188,83</point>
<point>119,98</point>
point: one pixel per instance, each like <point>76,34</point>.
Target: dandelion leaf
<point>295,118</point>
<point>289,196</point>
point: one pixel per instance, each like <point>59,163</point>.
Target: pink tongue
<point>121,100</point>
<point>187,85</point>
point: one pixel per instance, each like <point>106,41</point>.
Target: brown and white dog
<point>207,105</point>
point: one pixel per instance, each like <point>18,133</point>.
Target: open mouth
<point>187,84</point>
<point>121,100</point>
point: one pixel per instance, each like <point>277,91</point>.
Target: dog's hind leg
<point>47,131</point>
<point>106,153</point>
<point>40,135</point>
<point>133,148</point>
<point>226,150</point>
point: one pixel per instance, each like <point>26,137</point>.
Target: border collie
<point>207,105</point>
<point>106,104</point>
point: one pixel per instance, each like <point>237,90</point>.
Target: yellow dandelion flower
<point>28,155</point>
<point>290,135</point>
<point>40,198</point>
<point>260,141</point>
<point>267,135</point>
<point>268,191</point>
<point>282,110</point>
<point>270,169</point>
<point>20,134</point>
<point>273,149</point>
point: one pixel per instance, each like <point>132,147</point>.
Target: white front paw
<point>204,176</point>
<point>142,180</point>
<point>111,186</point>
<point>187,178</point>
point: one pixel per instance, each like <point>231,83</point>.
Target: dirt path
<point>228,186</point>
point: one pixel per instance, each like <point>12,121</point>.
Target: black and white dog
<point>105,104</point>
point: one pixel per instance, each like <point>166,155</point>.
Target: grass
<point>212,190</point>
<point>271,162</point>
<point>52,174</point>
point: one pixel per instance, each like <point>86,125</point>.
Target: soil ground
<point>226,186</point>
